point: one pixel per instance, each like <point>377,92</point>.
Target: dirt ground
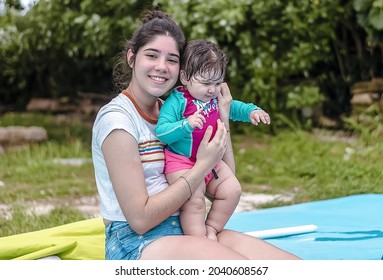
<point>89,205</point>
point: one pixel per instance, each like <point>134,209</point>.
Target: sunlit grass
<point>22,221</point>
<point>309,166</point>
<point>305,166</point>
<point>36,172</point>
<point>62,129</point>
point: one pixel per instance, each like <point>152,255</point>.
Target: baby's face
<point>204,87</point>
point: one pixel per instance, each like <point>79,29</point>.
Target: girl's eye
<point>151,55</point>
<point>173,61</point>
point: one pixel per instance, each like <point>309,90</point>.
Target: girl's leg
<point>192,215</point>
<point>226,191</point>
<point>251,247</point>
<point>231,245</point>
<point>188,247</point>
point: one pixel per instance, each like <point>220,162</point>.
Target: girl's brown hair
<point>153,23</point>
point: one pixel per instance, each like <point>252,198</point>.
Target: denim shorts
<point>122,243</point>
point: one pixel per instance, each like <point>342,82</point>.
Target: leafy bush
<point>285,56</point>
<point>61,47</point>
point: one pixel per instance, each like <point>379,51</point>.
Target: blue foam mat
<point>349,228</point>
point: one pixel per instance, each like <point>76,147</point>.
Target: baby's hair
<point>202,57</point>
<point>153,23</point>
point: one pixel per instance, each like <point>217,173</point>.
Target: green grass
<point>32,173</point>
<point>27,222</point>
<point>61,129</point>
<point>307,166</point>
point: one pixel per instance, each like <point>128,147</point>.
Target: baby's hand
<point>257,116</point>
<point>197,120</point>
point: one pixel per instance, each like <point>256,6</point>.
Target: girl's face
<point>156,66</point>
<point>202,88</point>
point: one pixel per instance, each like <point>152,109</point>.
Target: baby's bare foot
<point>211,233</point>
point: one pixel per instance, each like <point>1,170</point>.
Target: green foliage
<point>358,47</point>
<point>284,55</point>
<point>61,47</point>
<point>370,18</point>
<point>6,5</point>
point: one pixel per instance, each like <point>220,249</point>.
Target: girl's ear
<point>183,77</point>
<point>130,58</point>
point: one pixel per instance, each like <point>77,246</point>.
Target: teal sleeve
<point>240,111</point>
<point>172,126</point>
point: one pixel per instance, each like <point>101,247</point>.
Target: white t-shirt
<point>120,113</point>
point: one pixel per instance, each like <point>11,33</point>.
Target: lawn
<point>304,165</point>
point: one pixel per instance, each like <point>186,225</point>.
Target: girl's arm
<point>142,211</point>
<point>224,100</point>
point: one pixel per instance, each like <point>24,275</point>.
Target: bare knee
<point>195,204</point>
<point>230,190</point>
<point>236,190</point>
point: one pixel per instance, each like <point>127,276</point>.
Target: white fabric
<point>120,113</point>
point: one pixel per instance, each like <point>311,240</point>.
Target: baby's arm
<point>248,112</point>
<point>257,116</point>
<point>171,127</point>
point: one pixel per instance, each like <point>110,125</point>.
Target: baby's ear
<point>183,78</point>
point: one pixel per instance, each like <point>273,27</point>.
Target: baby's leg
<point>192,215</point>
<point>226,191</point>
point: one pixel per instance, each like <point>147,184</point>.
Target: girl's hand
<point>224,101</point>
<point>211,152</point>
<point>258,116</point>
